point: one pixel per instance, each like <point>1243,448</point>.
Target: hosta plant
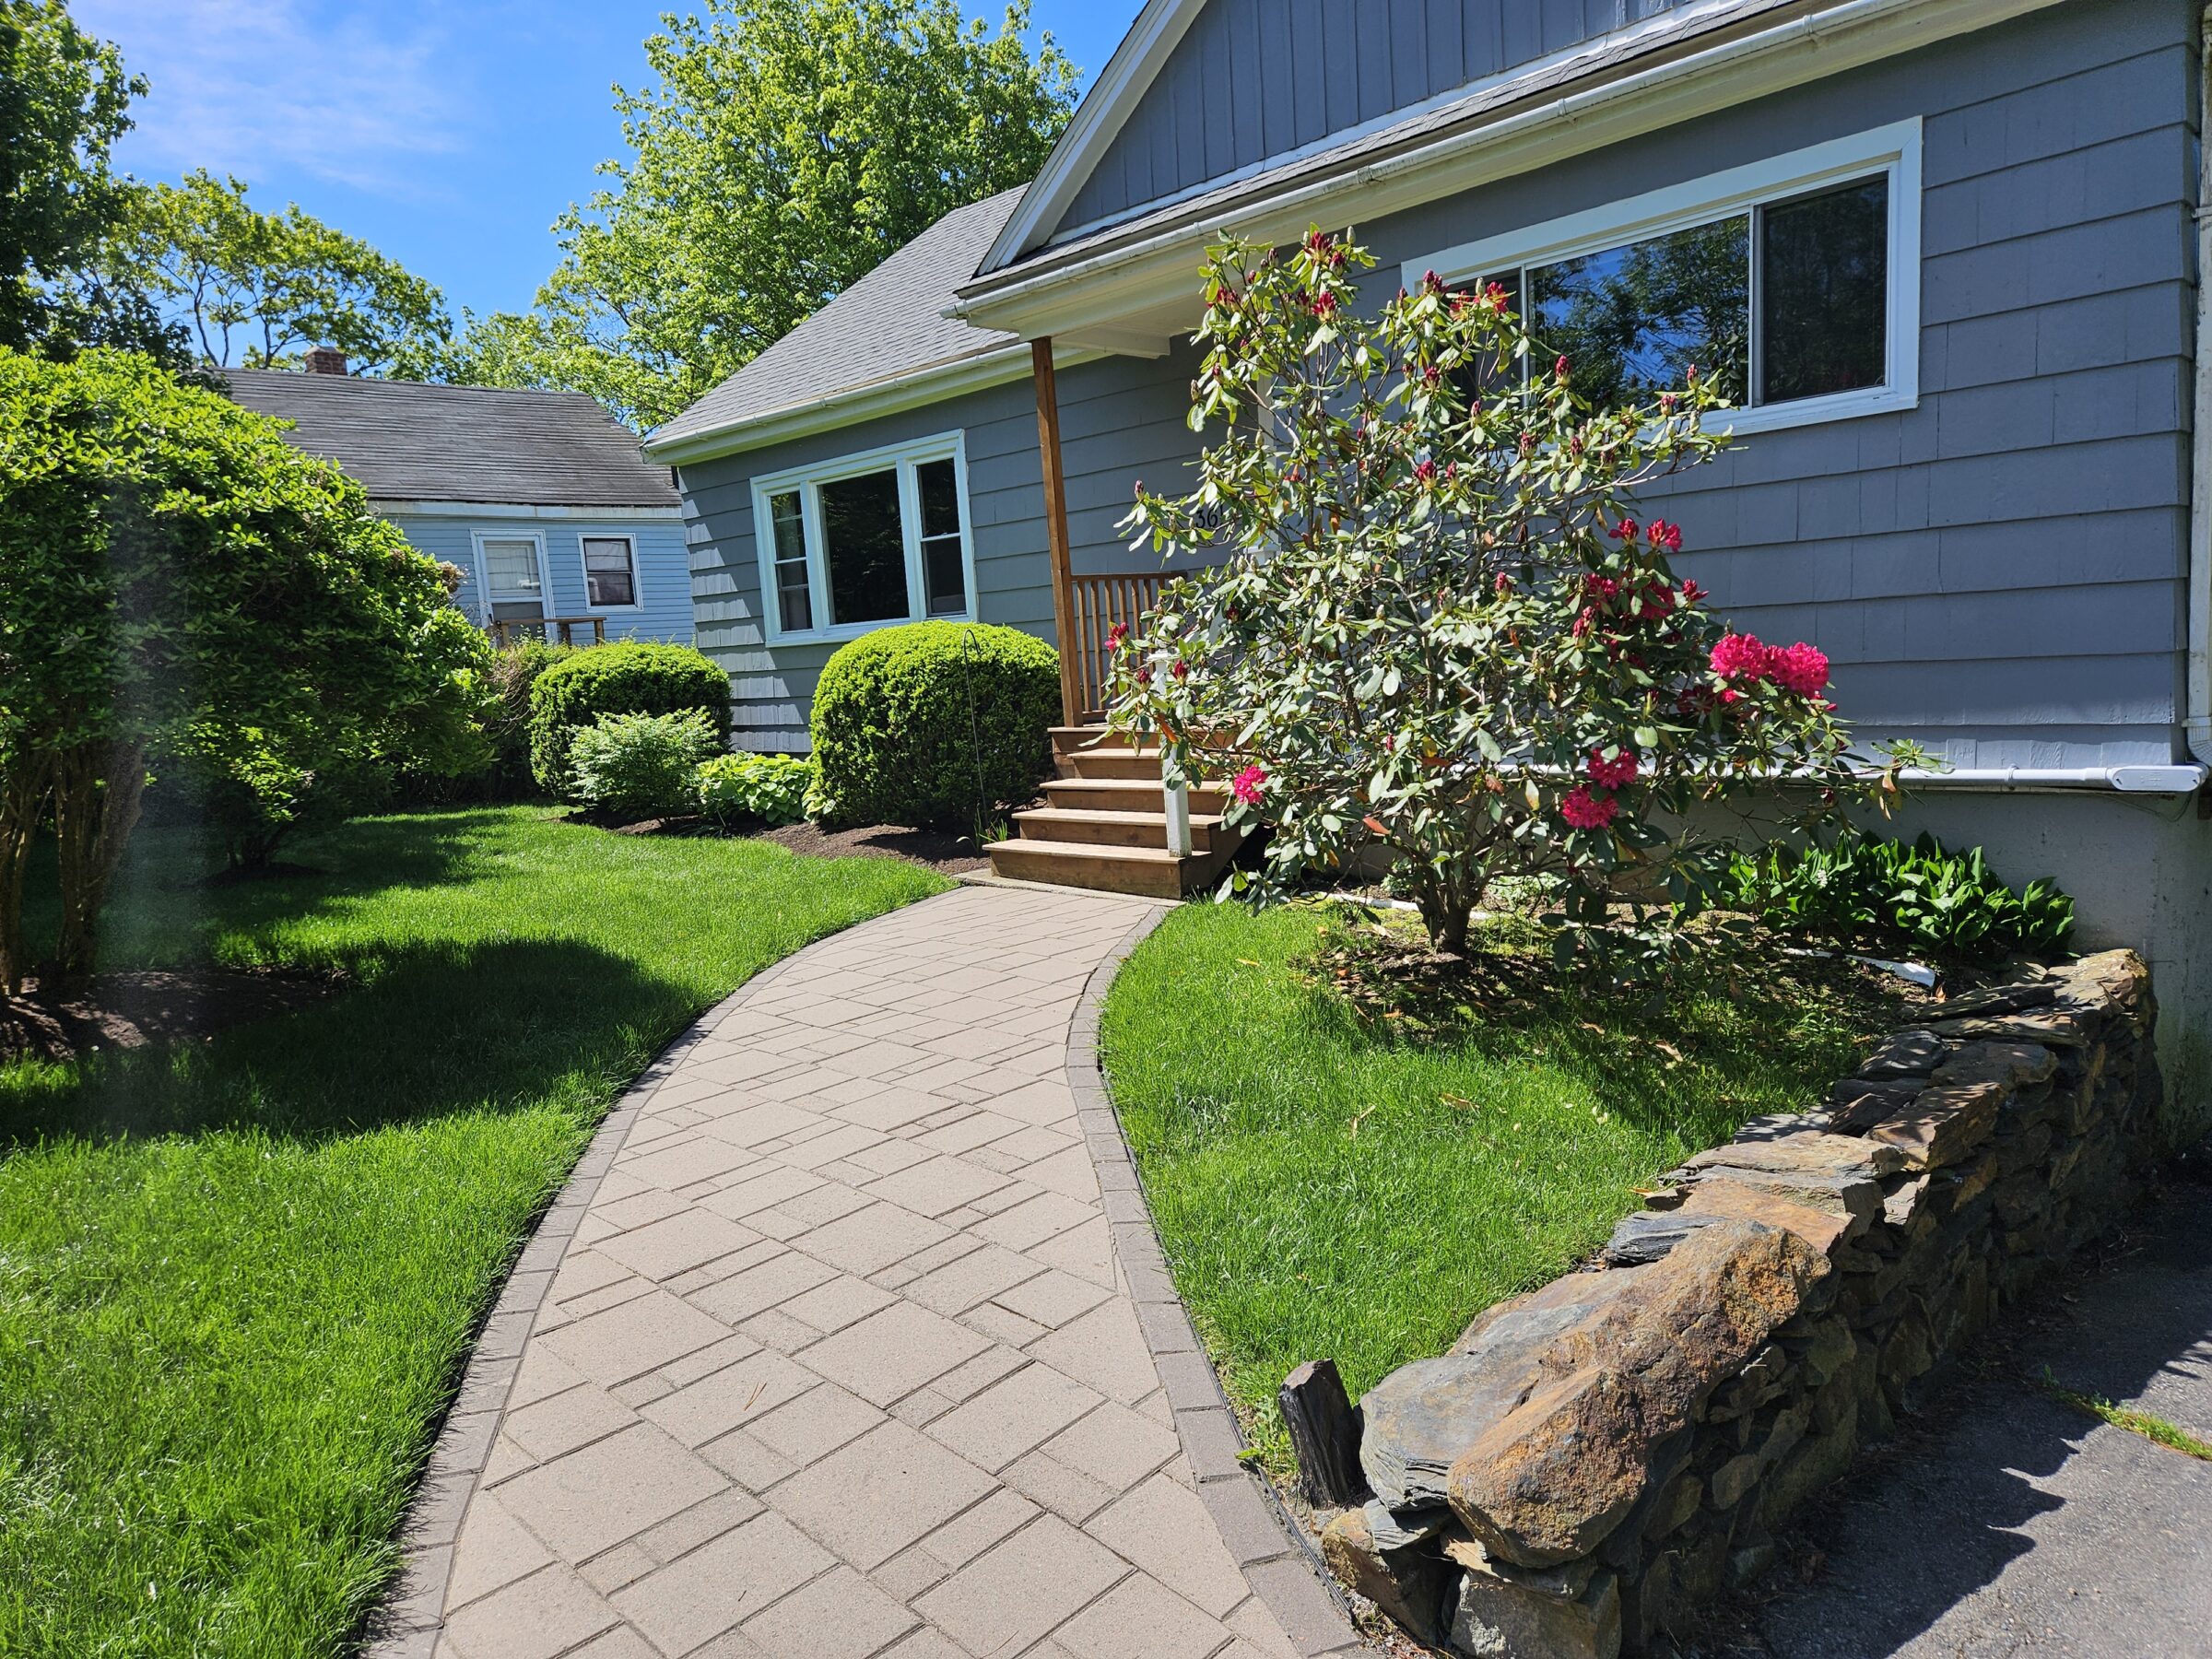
<point>1438,623</point>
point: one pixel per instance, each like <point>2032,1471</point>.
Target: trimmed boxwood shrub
<point>933,723</point>
<point>627,679</point>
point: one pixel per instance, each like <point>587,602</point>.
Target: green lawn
<point>236,1277</point>
<point>1325,1193</point>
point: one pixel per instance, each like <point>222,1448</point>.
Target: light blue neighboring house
<point>560,525</point>
<point>1966,327</point>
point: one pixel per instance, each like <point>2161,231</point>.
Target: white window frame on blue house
<point>1892,151</point>
<point>478,537</point>
<point>806,482</point>
<point>637,569</point>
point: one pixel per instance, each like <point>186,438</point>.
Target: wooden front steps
<point>1104,824</point>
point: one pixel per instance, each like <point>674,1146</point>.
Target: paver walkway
<point>838,1362</point>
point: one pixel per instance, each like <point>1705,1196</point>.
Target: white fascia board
<point>386,507</point>
<point>1162,267</point>
<point>1091,131</point>
<point>913,390</point>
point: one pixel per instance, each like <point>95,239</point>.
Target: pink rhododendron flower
<point>1741,657</point>
<point>1425,472</point>
<point>1691,593</point>
<point>1505,583</point>
<point>1800,668</point>
<point>1246,786</point>
<point>1560,368</point>
<point>1616,773</point>
<point>1625,530</point>
<point>1586,811</point>
<point>1181,669</point>
<point>1665,535</point>
<point>1115,635</point>
<point>1600,587</point>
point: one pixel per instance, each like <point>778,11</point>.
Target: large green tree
<point>257,289</point>
<point>64,99</point>
<point>177,583</point>
<point>787,147</point>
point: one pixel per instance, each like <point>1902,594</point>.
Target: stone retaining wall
<point>1593,1463</point>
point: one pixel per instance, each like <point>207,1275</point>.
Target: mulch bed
<point>136,1009</point>
<point>947,853</point>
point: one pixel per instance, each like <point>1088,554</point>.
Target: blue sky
<point>449,133</point>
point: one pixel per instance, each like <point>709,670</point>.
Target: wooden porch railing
<point>1101,601</point>
<point>505,631</point>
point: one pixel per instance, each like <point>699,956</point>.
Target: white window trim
<point>477,538</point>
<point>807,481</point>
<point>1892,151</point>
<point>637,570</point>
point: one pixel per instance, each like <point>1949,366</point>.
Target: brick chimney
<point>323,360</point>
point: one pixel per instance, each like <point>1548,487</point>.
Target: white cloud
<point>248,85</point>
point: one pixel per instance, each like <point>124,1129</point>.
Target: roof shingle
<point>408,441</point>
<point>888,324</point>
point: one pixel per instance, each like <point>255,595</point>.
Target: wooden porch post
<point>1055,530</point>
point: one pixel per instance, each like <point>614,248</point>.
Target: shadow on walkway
<point>2006,1523</point>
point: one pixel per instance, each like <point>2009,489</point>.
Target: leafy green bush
<point>183,591</point>
<point>771,788</point>
<point>515,675</point>
<point>933,723</point>
<point>641,766</point>
<point>628,678</point>
<point>1919,900</point>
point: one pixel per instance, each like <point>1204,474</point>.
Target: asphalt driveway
<point>2006,1523</point>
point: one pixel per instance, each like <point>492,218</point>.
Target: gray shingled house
<point>1980,215</point>
<point>556,520</point>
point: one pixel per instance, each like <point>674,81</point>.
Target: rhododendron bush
<point>1442,625</point>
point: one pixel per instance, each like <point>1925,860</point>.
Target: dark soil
<point>946,853</point>
<point>943,851</point>
<point>133,1010</point>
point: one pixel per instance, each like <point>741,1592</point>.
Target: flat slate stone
<point>1721,1197</point>
<point>1812,1151</point>
<point>2009,1064</point>
<point>1906,1054</point>
<point>1944,1125</point>
<point>1649,1234</point>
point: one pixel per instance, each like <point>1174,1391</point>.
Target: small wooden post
<point>1324,1433</point>
<point>1056,529</point>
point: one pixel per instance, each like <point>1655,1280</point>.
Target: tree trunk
<point>99,787</point>
<point>23,787</point>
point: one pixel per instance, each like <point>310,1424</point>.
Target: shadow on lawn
<point>488,1025</point>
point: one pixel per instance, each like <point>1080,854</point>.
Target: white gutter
<point>1813,46</point>
<point>2126,779</point>
<point>2197,723</point>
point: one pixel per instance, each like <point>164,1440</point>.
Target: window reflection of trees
<point>1632,320</point>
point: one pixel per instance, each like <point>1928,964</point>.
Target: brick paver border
<point>1271,1549</point>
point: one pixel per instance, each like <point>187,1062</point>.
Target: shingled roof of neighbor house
<point>888,324</point>
<point>408,441</point>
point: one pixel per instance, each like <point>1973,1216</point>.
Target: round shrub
<point>933,723</point>
<point>628,678</point>
<point>641,766</point>
<point>771,788</point>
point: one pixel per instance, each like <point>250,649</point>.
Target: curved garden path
<point>850,1337</point>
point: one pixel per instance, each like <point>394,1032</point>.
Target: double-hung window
<point>866,540</point>
<point>610,571</point>
<point>1795,281</point>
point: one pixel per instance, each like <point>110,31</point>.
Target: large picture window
<point>1795,281</point>
<point>866,540</point>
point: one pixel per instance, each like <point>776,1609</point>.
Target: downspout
<point>2198,717</point>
